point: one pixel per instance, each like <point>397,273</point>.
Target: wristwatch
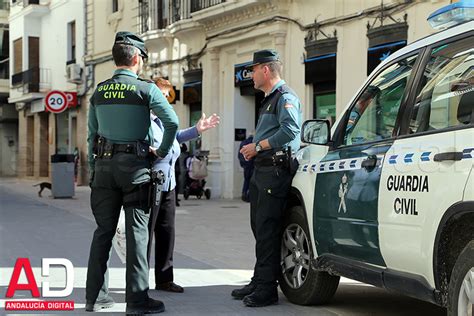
<point>258,147</point>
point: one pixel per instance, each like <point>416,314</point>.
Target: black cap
<point>264,56</point>
<point>128,38</point>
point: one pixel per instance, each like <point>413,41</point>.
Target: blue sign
<point>242,75</point>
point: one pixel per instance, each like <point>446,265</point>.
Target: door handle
<point>370,162</point>
<point>453,156</point>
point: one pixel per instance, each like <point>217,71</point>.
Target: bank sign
<point>242,75</point>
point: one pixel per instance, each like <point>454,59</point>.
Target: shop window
<point>325,106</point>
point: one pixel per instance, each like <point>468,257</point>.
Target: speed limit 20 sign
<point>56,101</point>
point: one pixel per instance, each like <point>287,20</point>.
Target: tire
<point>310,287</point>
<point>207,193</point>
<point>462,278</point>
<point>186,193</point>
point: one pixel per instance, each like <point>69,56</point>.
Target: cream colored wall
<point>352,41</point>
<point>219,93</point>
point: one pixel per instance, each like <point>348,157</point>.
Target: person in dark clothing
<point>247,165</point>
<point>278,131</point>
<point>119,164</point>
<point>162,217</point>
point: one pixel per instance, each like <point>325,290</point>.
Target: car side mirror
<point>316,132</point>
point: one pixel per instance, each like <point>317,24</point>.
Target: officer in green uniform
<point>277,135</point>
<point>119,161</point>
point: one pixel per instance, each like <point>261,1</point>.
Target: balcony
<point>159,14</point>
<point>30,84</point>
<point>30,8</point>
<point>198,5</point>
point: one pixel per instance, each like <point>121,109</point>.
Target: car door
<point>427,169</point>
<point>345,219</point>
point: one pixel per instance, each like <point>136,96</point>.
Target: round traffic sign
<point>56,101</point>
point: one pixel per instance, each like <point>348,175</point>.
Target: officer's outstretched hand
<point>249,151</point>
<point>207,123</point>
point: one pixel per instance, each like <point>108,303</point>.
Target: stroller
<point>195,177</point>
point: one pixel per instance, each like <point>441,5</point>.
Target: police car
<point>386,196</point>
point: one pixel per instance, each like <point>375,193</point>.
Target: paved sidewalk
<point>214,253</point>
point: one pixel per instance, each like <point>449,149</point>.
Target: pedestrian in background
<point>181,165</point>
<point>278,131</point>
<point>119,162</point>
<point>247,165</point>
<point>162,223</point>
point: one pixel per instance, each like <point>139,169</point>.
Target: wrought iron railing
<point>158,14</point>
<point>154,14</point>
<point>197,5</point>
<point>32,80</point>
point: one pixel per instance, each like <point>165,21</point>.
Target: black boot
<point>262,296</point>
<point>243,292</point>
<point>150,307</point>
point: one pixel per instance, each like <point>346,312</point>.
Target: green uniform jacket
<point>120,111</point>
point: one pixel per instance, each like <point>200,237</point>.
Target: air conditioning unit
<point>74,73</point>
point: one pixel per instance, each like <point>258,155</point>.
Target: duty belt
<point>271,158</point>
<point>125,148</point>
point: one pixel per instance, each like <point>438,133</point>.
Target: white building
<point>46,49</point>
<point>327,48</point>
<point>8,115</point>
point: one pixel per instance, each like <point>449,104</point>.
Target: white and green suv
<point>386,197</point>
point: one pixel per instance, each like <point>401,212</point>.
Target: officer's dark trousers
<point>114,180</point>
<point>162,227</point>
<point>269,188</point>
<point>248,171</point>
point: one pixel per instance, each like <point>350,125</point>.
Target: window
<point>114,6</point>
<point>445,97</point>
<point>18,55</point>
<point>374,114</point>
<point>325,106</point>
<point>71,39</point>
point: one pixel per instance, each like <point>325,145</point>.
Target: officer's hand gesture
<point>207,123</point>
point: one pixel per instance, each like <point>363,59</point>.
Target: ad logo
<point>23,264</point>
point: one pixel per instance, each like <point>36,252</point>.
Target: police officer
<point>119,130</point>
<point>277,133</point>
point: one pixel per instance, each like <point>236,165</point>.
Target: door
<point>347,184</point>
<point>427,169</point>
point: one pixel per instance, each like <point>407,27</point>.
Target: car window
<point>445,97</point>
<point>374,114</point>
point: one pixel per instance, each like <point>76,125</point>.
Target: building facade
<point>46,49</point>
<point>327,48</point>
<point>8,114</point>
<point>202,47</point>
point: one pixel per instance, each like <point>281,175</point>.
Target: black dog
<point>43,185</point>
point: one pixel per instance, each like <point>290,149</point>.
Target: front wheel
<point>207,193</point>
<point>299,282</point>
<point>461,284</point>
